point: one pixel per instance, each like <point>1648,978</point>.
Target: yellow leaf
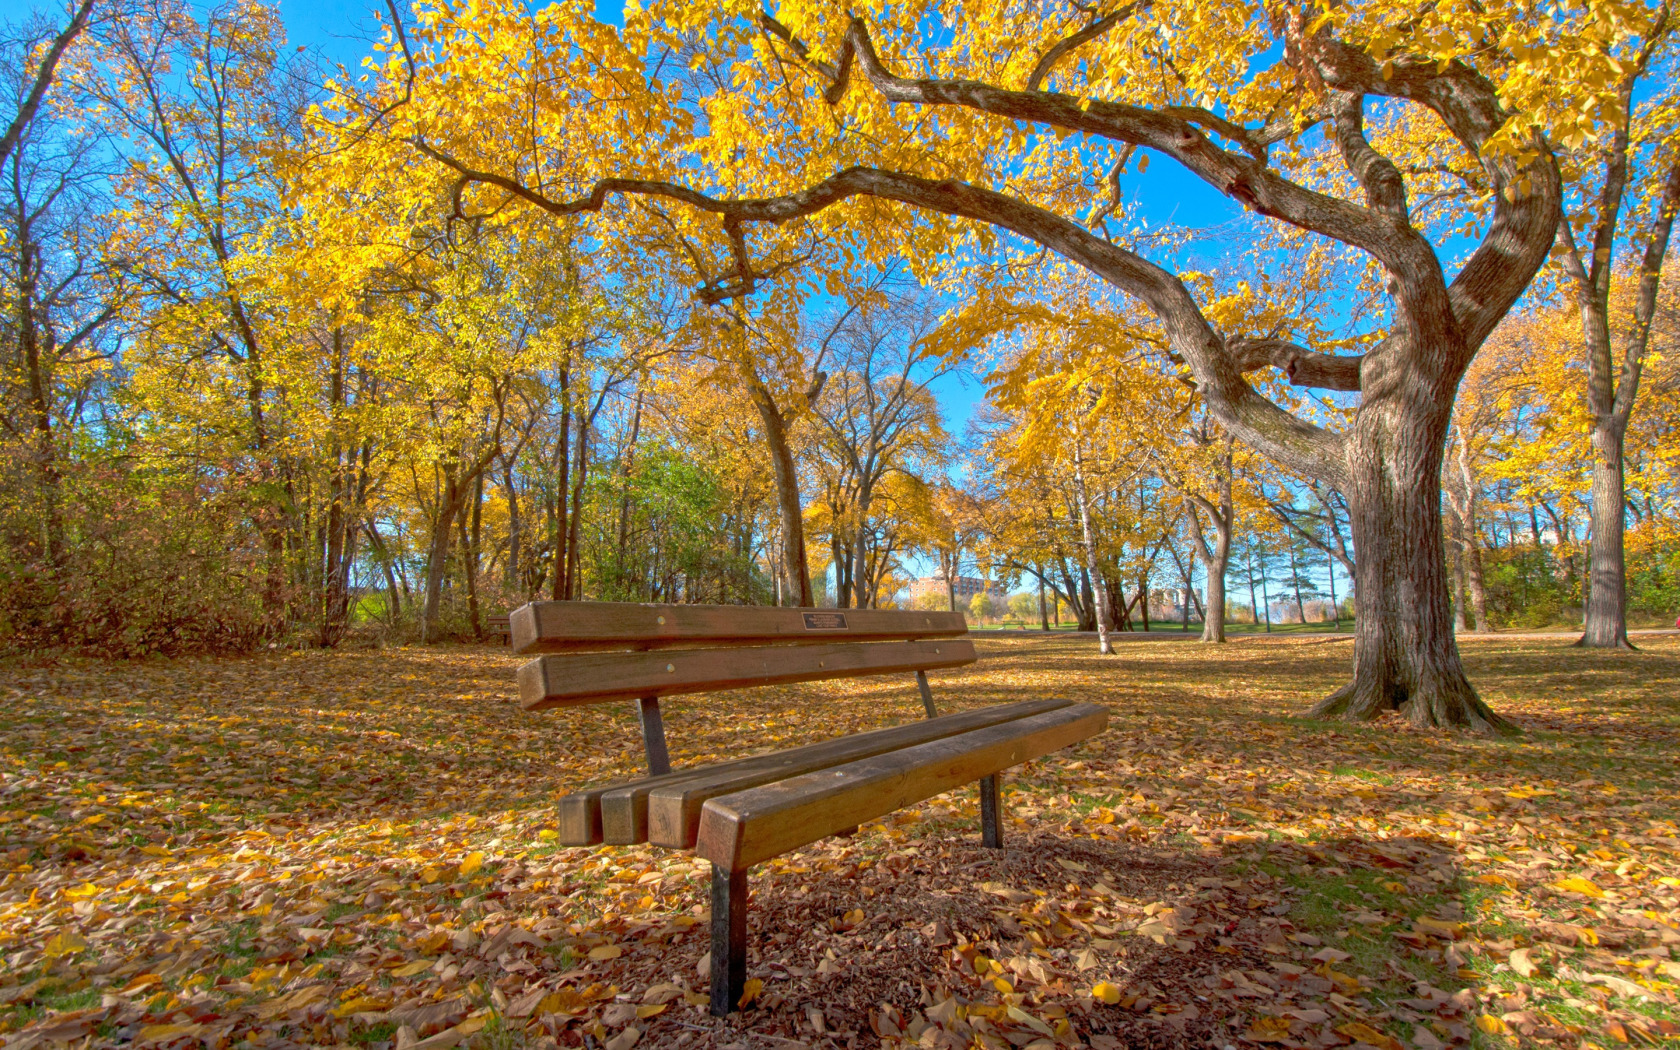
<point>1268,1030</point>
<point>1439,927</point>
<point>359,1005</point>
<point>605,952</point>
<point>85,890</point>
<point>1491,1025</point>
<point>651,1010</point>
<point>157,1033</point>
<point>1360,1032</point>
<point>1576,884</point>
<point>473,862</point>
<point>750,992</point>
<point>471,1024</point>
<point>64,944</point>
<point>428,875</point>
<point>1103,992</point>
<point>410,969</point>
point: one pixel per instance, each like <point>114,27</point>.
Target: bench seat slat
<point>592,678</point>
<point>740,829</point>
<point>666,811</point>
<point>582,817</point>
<point>561,627</point>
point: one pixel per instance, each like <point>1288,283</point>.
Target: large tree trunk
<point>1404,655</point>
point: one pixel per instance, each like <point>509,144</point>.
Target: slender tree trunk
<point>515,526</point>
<point>469,558</point>
<point>1253,603</point>
<point>1335,606</point>
<point>377,542</point>
<point>1104,646</point>
<point>574,530</point>
<point>1213,623</point>
<point>1405,656</point>
<point>1457,568</point>
<point>562,493</point>
<point>1043,611</point>
<point>950,567</point>
<point>865,497</point>
<point>1088,599</point>
<point>1606,598</point>
<point>437,559</point>
<point>625,474</point>
<point>787,490</point>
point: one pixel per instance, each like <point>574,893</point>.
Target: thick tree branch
<point>1302,366</point>
<point>1237,405</point>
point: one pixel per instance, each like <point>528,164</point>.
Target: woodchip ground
<point>329,848</point>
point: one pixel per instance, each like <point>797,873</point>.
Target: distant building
<point>966,587</point>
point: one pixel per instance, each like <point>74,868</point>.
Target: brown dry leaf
<point>1521,963</point>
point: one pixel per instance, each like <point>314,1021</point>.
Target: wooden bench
<point>498,625</point>
<point>738,813</point>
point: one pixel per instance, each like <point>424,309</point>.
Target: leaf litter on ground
<point>358,848</point>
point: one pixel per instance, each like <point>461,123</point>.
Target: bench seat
<point>665,810</point>
<point>740,829</point>
<point>745,827</point>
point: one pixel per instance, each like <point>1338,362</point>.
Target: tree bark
<point>1606,597</point>
<point>1217,559</point>
<point>1100,591</point>
<point>1404,654</point>
<point>787,491</point>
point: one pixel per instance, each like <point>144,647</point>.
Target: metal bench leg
<point>991,825</point>
<point>653,735</point>
<point>729,939</point>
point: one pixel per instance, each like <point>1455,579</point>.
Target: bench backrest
<point>701,648</point>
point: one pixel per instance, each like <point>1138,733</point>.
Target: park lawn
<point>333,847</point>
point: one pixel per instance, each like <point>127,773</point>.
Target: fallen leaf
<point>64,944</point>
<point>1268,1030</point>
<point>1104,992</point>
<point>1361,1032</point>
<point>1521,963</point>
<point>749,991</point>
<point>605,953</point>
<point>1575,884</point>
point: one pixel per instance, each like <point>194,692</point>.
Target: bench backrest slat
<point>570,627</point>
<point>565,681</point>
